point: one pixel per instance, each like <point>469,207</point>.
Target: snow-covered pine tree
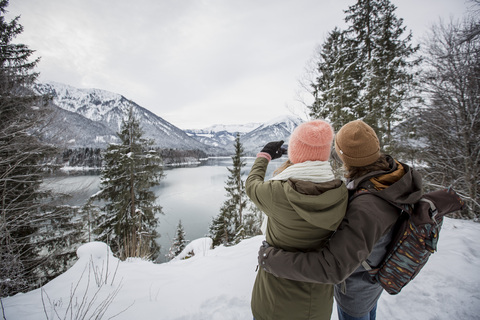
<point>366,71</point>
<point>336,89</point>
<point>240,233</point>
<point>37,233</point>
<point>386,63</point>
<point>220,229</point>
<point>178,243</point>
<point>252,220</point>
<point>227,227</point>
<point>128,221</point>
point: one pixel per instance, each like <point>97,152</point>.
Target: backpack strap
<point>403,211</point>
<point>433,209</point>
<point>366,265</point>
<point>366,189</point>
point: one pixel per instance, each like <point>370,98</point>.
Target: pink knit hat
<point>311,141</point>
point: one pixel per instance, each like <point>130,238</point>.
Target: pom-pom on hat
<point>311,141</point>
<point>356,143</point>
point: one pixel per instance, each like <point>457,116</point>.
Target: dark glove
<point>263,255</point>
<point>274,149</point>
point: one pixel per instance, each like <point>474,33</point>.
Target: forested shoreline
<point>91,159</point>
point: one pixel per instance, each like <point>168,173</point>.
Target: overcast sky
<point>195,62</point>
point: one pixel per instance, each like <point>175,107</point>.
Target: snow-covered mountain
<point>91,117</point>
<point>71,130</point>
<point>223,139</point>
<point>252,136</point>
<point>276,129</point>
<point>241,128</point>
<point>221,135</point>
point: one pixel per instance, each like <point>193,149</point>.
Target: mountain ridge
<point>92,117</point>
<point>109,109</point>
<point>279,128</point>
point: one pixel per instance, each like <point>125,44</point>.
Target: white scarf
<point>313,171</point>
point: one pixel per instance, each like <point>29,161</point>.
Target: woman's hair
<point>356,172</point>
<point>284,166</point>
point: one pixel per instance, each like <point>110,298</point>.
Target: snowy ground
<point>216,284</point>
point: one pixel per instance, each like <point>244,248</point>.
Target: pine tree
<point>227,227</point>
<point>178,243</point>
<point>252,221</point>
<point>235,185</point>
<point>366,71</point>
<point>131,169</point>
<point>36,231</point>
<point>220,228</point>
<point>387,63</point>
<point>335,90</point>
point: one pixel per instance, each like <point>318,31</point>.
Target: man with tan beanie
<point>366,230</point>
<point>357,144</point>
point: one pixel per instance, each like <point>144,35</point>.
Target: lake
<point>193,194</point>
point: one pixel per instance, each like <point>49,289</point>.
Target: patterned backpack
<point>414,240</point>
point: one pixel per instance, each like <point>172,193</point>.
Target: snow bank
<point>95,250</point>
<point>216,284</point>
<point>197,247</point>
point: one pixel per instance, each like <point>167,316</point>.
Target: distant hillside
<point>252,136</point>
<point>276,129</point>
<point>91,117</point>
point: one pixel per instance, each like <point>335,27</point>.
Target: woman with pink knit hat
<point>304,204</point>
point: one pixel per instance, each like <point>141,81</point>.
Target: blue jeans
<point>342,315</point>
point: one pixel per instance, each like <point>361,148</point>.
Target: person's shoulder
<point>369,205</point>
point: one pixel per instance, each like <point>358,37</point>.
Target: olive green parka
<point>301,217</point>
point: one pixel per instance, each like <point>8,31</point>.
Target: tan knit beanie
<point>356,143</point>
